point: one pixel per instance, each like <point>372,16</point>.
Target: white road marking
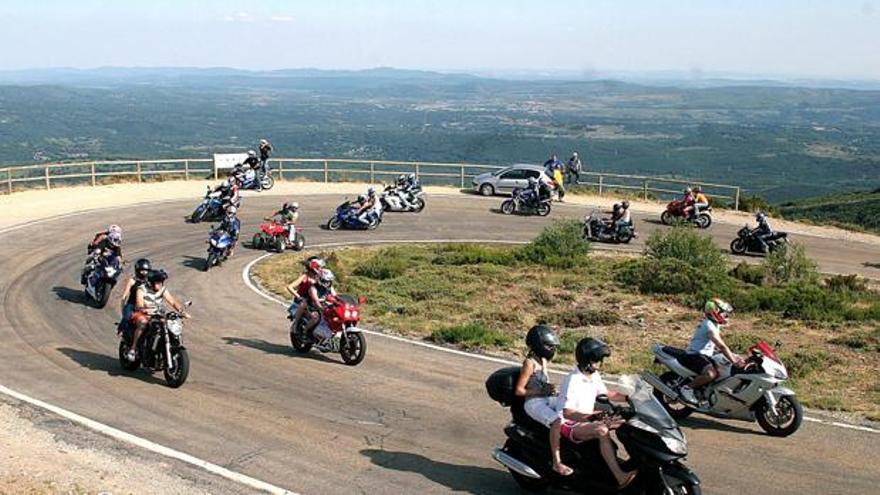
<point>246,271</point>
<point>148,445</point>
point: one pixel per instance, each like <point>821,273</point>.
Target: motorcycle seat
<point>675,352</point>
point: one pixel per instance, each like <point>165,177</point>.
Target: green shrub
<point>473,254</point>
<point>868,340</point>
<point>471,335</point>
<point>582,317</point>
<point>846,284</point>
<point>671,276</point>
<point>756,203</point>
<point>381,266</point>
<point>687,246</point>
<point>790,265</point>
<point>560,245</point>
<point>804,362</point>
<point>750,274</point>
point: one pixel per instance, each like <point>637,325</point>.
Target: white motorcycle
<point>753,392</point>
<point>391,199</point>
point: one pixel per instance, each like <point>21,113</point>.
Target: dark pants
<point>572,177</point>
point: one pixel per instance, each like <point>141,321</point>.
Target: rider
<point>108,241</point>
<point>576,405</point>
<point>370,204</point>
<point>228,190</point>
<point>706,338</point>
<point>232,225</point>
<point>288,215</point>
<point>142,268</point>
<point>405,185</point>
<point>254,163</point>
<point>147,299</point>
<point>700,201</point>
<point>534,190</point>
<point>534,386</point>
<point>300,287</point>
<point>763,232</point>
<point>621,216</point>
<point>688,201</point>
<point>316,301</point>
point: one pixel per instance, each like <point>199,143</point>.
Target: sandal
<point>629,479</point>
<point>563,470</point>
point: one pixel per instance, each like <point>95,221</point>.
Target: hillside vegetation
<point>860,210</point>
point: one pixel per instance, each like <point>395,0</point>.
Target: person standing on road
<point>573,172</point>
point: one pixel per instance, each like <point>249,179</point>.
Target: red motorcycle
<point>675,213</point>
<point>339,322</point>
<point>274,235</point>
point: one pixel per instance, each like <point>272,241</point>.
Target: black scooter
<point>747,242</point>
<point>599,230</point>
<point>655,443</point>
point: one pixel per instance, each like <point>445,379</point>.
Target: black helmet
<point>589,351</point>
<point>157,276</point>
<point>142,268</point>
<point>542,341</point>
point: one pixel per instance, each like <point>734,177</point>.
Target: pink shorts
<point>567,430</point>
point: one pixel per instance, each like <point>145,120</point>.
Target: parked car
<point>505,180</point>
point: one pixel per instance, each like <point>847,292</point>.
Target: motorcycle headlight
<point>781,374</point>
<point>110,270</point>
<point>675,445</point>
<point>214,242</point>
<point>175,327</point>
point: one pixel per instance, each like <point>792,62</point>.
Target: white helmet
<point>231,211</point>
<point>263,142</point>
<point>115,238</point>
<point>114,228</point>
<point>252,153</point>
<point>371,191</point>
<point>411,176</point>
<point>326,278</point>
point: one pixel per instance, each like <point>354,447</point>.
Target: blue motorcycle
<point>219,244</point>
<point>102,277</point>
<point>346,216</point>
<point>210,209</point>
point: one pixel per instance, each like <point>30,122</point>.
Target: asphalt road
<point>407,420</point>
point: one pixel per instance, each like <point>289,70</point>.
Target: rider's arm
<point>313,297</point>
<point>293,286</point>
<point>719,342</point>
<point>139,304</point>
<point>128,285</point>
<point>528,368</point>
<point>174,304</point>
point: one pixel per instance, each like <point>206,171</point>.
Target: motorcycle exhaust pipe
<point>514,464</point>
<point>658,384</point>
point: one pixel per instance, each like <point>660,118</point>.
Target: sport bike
<point>391,199</point>
<point>346,217</point>
<point>219,243</point>
<point>675,213</point>
<point>100,280</point>
<point>654,442</point>
<point>753,392</point>
<point>160,347</point>
<point>210,209</point>
<point>249,180</point>
<point>274,235</point>
<point>339,322</point>
<point>524,201</point>
<point>747,242</point>
<point>597,229</point>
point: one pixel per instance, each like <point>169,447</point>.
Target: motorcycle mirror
<point>777,344</point>
<point>187,304</point>
<point>603,399</point>
<point>362,299</point>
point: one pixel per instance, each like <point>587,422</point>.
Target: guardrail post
<point>47,178</point>
<point>9,180</point>
<point>326,172</point>
<point>645,189</point>
<point>600,185</point>
<point>186,170</point>
<point>372,172</point>
<point>94,180</point>
<point>139,171</point>
<point>417,170</point>
<point>736,200</point>
<point>281,169</point>
<point>462,176</point>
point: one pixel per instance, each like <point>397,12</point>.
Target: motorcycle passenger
<point>534,386</point>
<point>287,216</point>
<point>300,287</point>
<point>763,232</point>
<point>142,268</point>
<point>702,347</point>
<point>316,301</point>
<point>232,225</point>
<point>229,190</point>
<point>369,205</point>
<point>688,201</point>
<point>576,405</point>
<point>148,298</point>
<point>402,189</point>
<point>621,217</point>
<point>410,183</point>
<point>548,186</point>
<point>701,202</point>
<point>106,244</point>
<point>533,192</point>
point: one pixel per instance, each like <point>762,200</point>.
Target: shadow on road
<point>107,364</point>
<point>273,348</point>
<point>653,221</point>
<point>871,265</point>
<point>194,262</point>
<point>70,295</point>
<point>708,424</point>
<point>458,478</point>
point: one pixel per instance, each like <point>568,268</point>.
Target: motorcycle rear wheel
<point>676,409</point>
<point>624,237</point>
<point>666,218</point>
<point>374,222</point>
<point>524,482</point>
<point>299,345</point>
<point>737,246</point>
<point>279,243</point>
<point>257,241</point>
<point>176,378</point>
<point>354,349</point>
<point>769,424</point>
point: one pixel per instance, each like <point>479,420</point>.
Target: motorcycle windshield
<point>647,407</point>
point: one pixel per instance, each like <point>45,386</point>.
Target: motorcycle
<point>339,321</point>
<point>219,243</point>
<point>210,209</point>
<point>747,242</point>
<point>346,216</point>
<point>159,348</point>
<point>251,180</point>
<point>597,229</point>
<point>654,442</point>
<point>391,199</point>
<point>753,392</point>
<point>275,236</point>
<point>523,201</point>
<point>675,212</point>
<point>100,280</point>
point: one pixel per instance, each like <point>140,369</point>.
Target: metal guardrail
<point>47,176</point>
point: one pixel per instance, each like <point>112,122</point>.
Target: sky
<point>836,39</point>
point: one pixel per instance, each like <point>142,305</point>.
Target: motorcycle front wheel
<point>544,209</point>
<point>267,182</point>
<point>784,421</point>
<point>737,246</point>
<point>334,223</point>
<point>102,293</point>
<point>299,242</point>
<point>353,349</point>
<point>418,205</point>
<point>124,362</point>
<point>704,221</point>
<point>507,207</point>
<point>177,371</point>
<point>199,214</point>
<point>279,243</point>
<point>257,241</point>
<point>211,261</point>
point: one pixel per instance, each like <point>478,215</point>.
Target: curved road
<point>408,420</point>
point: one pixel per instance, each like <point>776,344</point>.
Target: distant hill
<point>859,209</point>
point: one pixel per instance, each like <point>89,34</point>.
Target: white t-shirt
<point>701,342</point>
<point>578,392</point>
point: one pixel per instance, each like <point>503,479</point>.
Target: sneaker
<point>130,355</point>
<point>686,394</point>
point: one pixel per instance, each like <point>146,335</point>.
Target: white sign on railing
<point>228,160</point>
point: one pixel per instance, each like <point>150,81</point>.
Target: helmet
<point>315,264</point>
<point>142,268</point>
<point>114,228</point>
<point>401,178</point>
<point>589,351</point>
<point>231,211</point>
<point>542,341</point>
<point>157,276</point>
<point>717,310</point>
<point>759,216</point>
<point>616,206</point>
<point>293,206</point>
<point>252,154</point>
<point>326,278</point>
<point>361,198</point>
<point>411,177</point>
<point>624,204</point>
<point>574,153</point>
<point>371,191</point>
<point>688,190</point>
<point>698,189</point>
<point>532,181</point>
<point>115,238</point>
<point>264,142</point>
